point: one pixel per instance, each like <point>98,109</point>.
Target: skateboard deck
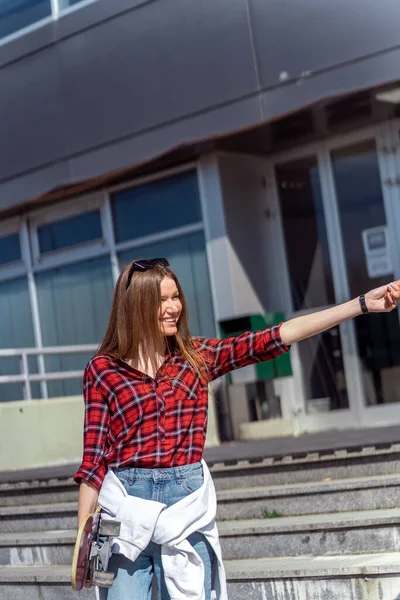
<point>92,552</point>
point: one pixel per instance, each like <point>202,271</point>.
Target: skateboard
<point>92,552</point>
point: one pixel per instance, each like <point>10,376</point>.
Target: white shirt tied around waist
<point>143,521</point>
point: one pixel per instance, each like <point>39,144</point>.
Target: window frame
<point>73,253</point>
<point>102,201</point>
<point>152,177</point>
<point>27,224</point>
<point>16,268</point>
<point>163,235</point>
<point>56,13</point>
<point>61,12</point>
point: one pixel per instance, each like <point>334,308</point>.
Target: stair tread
<point>361,518</point>
<point>259,568</point>
<point>252,492</point>
<point>33,509</point>
<point>40,573</point>
<point>23,486</point>
<point>290,524</point>
<point>327,485</point>
<point>22,538</point>
<point>309,566</point>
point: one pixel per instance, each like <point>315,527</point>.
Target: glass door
<point>392,183</point>
<point>365,235</point>
<point>308,257</point>
<point>340,215</point>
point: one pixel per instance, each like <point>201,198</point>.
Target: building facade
<point>255,143</point>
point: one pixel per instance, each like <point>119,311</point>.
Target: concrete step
<point>45,486</point>
<point>41,517</point>
<point>38,492</point>
<point>376,492</point>
<point>316,535</point>
<point>329,534</point>
<point>380,491</point>
<point>340,464</point>
<point>40,583</point>
<point>359,577</point>
<point>39,548</point>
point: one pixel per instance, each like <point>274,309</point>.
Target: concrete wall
<point>114,83</point>
<point>49,432</point>
<point>41,432</point>
<point>253,236</point>
<point>255,259</point>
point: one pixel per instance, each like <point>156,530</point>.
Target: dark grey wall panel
<point>115,83</point>
<point>367,73</point>
<point>152,65</point>
<point>294,36</point>
<point>81,17</point>
<point>138,148</point>
<point>29,185</point>
<point>87,16</point>
<point>32,131</point>
<point>28,43</point>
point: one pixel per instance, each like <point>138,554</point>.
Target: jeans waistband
<point>166,473</point>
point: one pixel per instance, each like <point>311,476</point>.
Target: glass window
<point>361,208</point>
<point>157,206</point>
<point>305,233</point>
<point>70,232</point>
<point>10,249</point>
<point>17,14</point>
<point>360,200</point>
<point>187,257</point>
<point>323,372</point>
<point>16,331</point>
<point>66,3</point>
<point>311,281</point>
<point>74,306</point>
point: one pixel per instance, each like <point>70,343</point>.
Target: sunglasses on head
<point>144,265</point>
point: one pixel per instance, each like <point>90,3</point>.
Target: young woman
<point>146,402</point>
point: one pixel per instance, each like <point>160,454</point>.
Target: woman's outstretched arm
<point>382,299</point>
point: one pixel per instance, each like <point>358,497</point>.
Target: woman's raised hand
<point>384,298</point>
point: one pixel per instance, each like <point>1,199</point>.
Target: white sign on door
<point>377,255</point>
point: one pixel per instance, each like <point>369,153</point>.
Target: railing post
<point>25,373</point>
<point>27,378</point>
<point>55,8</point>
<point>37,332</point>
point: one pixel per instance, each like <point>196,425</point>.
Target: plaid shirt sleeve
<point>223,356</point>
<point>96,426</point>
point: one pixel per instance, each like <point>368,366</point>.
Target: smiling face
<point>170,308</point>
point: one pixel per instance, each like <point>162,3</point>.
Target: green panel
<point>266,370</point>
<point>257,322</point>
<point>283,366</point>
<point>271,369</point>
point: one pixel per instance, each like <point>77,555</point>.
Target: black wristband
<point>363,304</point>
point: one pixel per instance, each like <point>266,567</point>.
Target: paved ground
<point>313,442</point>
<point>321,442</point>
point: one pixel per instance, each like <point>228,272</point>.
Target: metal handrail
<point>47,350</point>
<point>27,378</point>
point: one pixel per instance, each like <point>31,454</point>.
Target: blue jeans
<point>133,580</point>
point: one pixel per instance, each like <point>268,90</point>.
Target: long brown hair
<point>133,329</point>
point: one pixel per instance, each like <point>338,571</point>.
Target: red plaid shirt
<point>131,420</point>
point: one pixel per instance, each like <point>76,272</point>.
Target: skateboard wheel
<point>103,578</point>
<point>110,528</point>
